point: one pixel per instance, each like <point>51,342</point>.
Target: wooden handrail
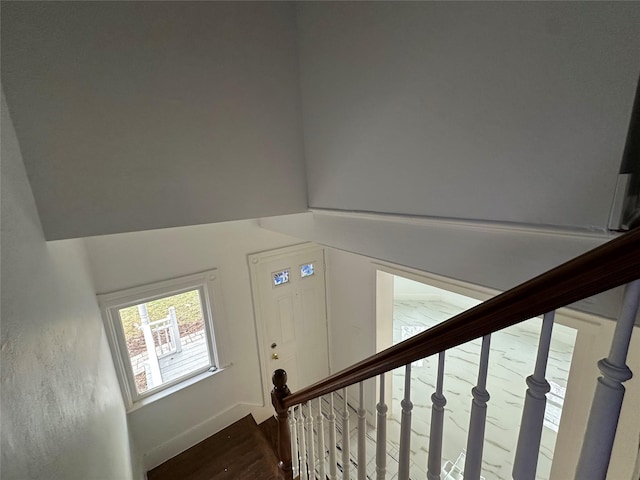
<point>610,265</point>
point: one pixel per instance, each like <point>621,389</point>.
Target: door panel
<point>292,314</point>
<point>286,322</point>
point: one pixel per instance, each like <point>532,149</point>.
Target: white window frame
<point>208,285</point>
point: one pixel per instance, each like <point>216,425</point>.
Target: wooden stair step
<point>238,452</point>
<point>269,429</point>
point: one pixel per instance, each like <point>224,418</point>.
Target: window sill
<point>143,402</point>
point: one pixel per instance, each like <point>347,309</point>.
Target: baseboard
<point>261,413</point>
<point>198,433</point>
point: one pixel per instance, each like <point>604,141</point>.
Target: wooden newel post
<point>278,394</point>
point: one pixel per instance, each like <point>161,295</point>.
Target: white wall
<point>513,111</point>
<point>145,115</point>
<point>62,413</point>
<point>495,256</point>
<point>351,287</point>
<point>351,301</point>
<point>407,289</point>
<point>169,425</point>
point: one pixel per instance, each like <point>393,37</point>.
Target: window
<point>306,270</point>
<point>280,278</point>
<point>162,335</point>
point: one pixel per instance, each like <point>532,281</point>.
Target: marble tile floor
<point>511,361</point>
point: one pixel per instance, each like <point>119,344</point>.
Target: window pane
<point>306,270</point>
<point>166,339</point>
<point>281,277</point>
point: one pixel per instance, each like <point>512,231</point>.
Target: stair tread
<point>269,429</point>
<point>237,452</point>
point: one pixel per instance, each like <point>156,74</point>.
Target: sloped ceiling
<point>500,111</point>
<point>142,115</point>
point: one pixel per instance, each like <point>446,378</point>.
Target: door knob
<point>275,356</point>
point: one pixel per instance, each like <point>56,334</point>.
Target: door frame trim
<point>253,261</point>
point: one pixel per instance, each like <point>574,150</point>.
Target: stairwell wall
<point>62,413</point>
<point>146,115</point>
<point>171,424</point>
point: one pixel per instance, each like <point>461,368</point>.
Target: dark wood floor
<point>239,452</point>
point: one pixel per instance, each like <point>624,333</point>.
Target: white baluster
<point>405,428</point>
<point>381,435</point>
<point>310,443</point>
<point>438,400</point>
<point>321,448</point>
<point>294,443</point>
<point>607,400</point>
<point>304,471</point>
<point>475,440</point>
<point>333,461</point>
<point>526,459</point>
<point>362,440</point>
<point>346,459</point>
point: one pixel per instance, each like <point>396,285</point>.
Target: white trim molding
<point>496,255</point>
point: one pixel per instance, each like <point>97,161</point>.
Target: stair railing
<point>614,263</point>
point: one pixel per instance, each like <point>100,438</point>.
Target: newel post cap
<point>280,390</point>
<point>279,379</point>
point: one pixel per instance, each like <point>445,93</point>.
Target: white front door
<point>289,295</point>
